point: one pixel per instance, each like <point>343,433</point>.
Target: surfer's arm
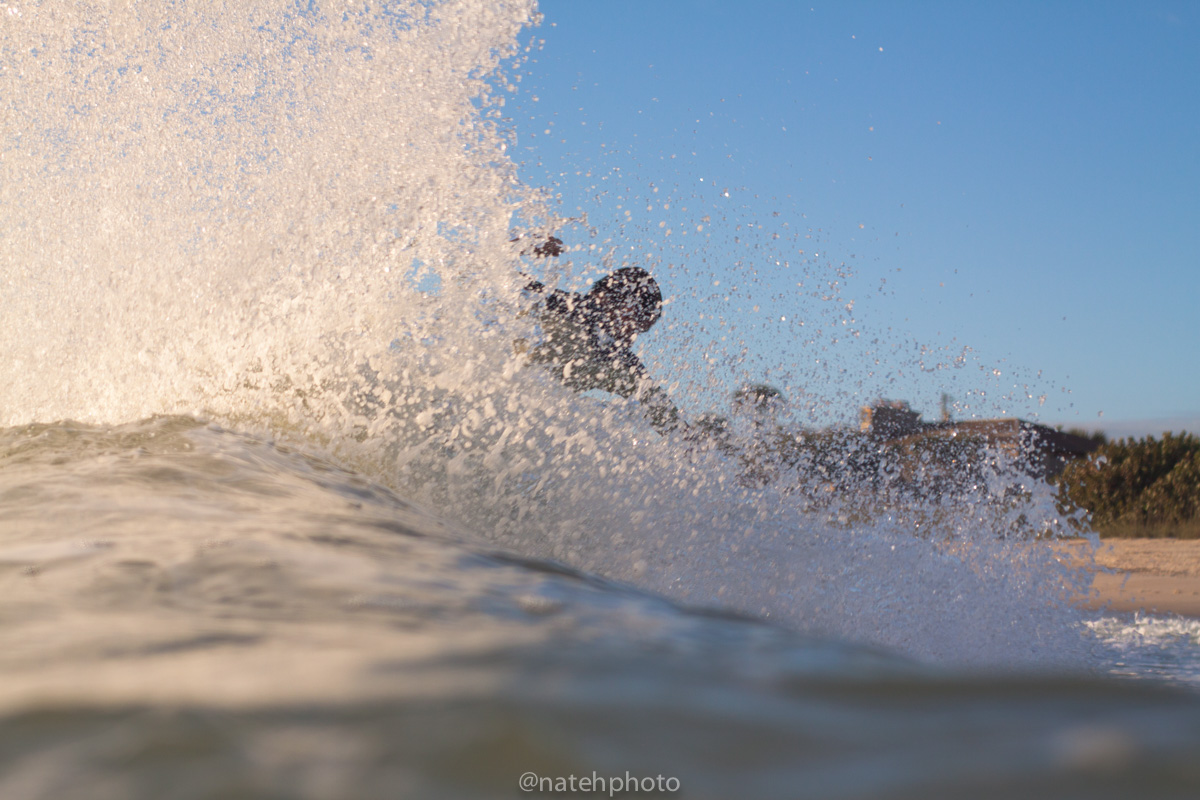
<point>551,246</point>
<point>628,378</point>
<point>532,285</point>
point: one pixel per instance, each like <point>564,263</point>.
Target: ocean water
<point>1149,646</point>
<point>284,514</point>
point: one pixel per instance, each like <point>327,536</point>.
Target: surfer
<point>587,338</point>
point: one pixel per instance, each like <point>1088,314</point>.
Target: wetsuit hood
<point>630,297</point>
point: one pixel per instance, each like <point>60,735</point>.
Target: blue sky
<point>1009,193</point>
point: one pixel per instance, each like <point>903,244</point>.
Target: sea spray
<point>201,200</point>
<point>296,220</point>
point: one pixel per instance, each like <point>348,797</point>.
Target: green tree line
<point>1145,487</point>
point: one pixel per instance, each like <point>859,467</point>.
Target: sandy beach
<point>1159,576</point>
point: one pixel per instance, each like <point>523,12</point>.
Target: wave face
<point>195,612</point>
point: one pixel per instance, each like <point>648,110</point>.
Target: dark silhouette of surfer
<point>587,338</point>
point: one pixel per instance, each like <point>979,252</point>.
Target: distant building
<point>890,419</point>
<point>1037,450</point>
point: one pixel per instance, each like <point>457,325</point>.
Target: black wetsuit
<point>577,350</point>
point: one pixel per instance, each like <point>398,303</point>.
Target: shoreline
<point>1153,576</point>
